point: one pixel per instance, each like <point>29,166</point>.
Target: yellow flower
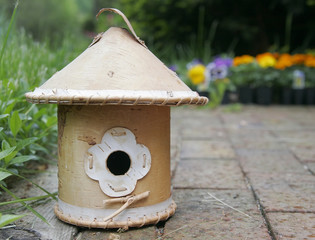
<point>284,61</point>
<point>266,60</point>
<point>310,61</point>
<point>197,74</point>
<point>298,58</point>
<point>244,59</point>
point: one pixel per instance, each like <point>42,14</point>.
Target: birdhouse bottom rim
<point>130,217</point>
<point>115,97</point>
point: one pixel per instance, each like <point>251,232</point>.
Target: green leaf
<point>51,121</point>
<point>4,175</point>
<point>27,199</point>
<point>6,152</point>
<point>9,218</point>
<point>22,159</point>
<point>25,204</point>
<point>16,174</point>
<point>5,145</point>
<point>4,116</point>
<point>10,107</point>
<point>1,128</point>
<point>25,142</point>
<point>9,157</point>
<point>15,123</point>
<point>8,33</point>
<point>40,113</point>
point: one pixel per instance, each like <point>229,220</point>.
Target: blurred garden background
<point>260,52</point>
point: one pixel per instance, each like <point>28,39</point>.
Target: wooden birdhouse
<point>114,132</point>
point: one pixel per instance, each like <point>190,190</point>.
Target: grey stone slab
<point>305,151</point>
<point>32,224</point>
<point>267,161</point>
<point>216,174</point>
<point>311,166</point>
<point>144,233</point>
<point>285,191</point>
<point>293,225</point>
<point>245,132</point>
<point>206,149</point>
<point>56,228</point>
<point>255,143</point>
<point>199,216</point>
<point>204,132</point>
<point>193,111</point>
<point>294,136</point>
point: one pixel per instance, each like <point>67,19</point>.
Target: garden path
<point>242,175</point>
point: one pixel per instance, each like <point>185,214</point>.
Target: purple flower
<point>173,67</point>
<point>227,62</point>
<point>214,72</point>
<point>218,69</point>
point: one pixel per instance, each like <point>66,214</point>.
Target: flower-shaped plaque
<point>118,162</point>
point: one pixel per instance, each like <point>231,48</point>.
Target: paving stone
<point>294,136</point>
<point>206,149</point>
<point>31,224</point>
<point>245,132</point>
<point>242,119</point>
<point>285,191</point>
<point>269,161</point>
<point>254,143</point>
<point>266,140</point>
<point>56,228</point>
<point>203,132</point>
<point>311,166</point>
<point>198,216</point>
<point>293,225</point>
<point>305,151</point>
<point>144,233</point>
<point>196,112</point>
<point>217,174</point>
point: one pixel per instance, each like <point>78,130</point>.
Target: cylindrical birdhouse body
<point>114,133</point>
<point>81,197</point>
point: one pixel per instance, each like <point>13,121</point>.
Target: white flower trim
<point>117,139</point>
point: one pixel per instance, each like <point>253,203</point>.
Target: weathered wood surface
<point>31,227</point>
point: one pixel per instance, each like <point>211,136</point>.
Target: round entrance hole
<point>118,163</point>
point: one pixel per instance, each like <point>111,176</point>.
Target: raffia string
<point>128,201</point>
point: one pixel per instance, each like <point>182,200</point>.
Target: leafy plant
<point>217,90</point>
<point>27,132</point>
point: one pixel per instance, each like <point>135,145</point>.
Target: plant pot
<point>226,97</point>
<point>286,96</point>
<point>310,96</point>
<point>263,95</point>
<point>203,94</point>
<point>245,94</point>
<point>298,96</point>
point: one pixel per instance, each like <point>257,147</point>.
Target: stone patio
<point>235,175</point>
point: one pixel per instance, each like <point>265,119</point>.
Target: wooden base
<point>131,217</point>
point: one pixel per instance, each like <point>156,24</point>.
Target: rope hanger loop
<point>114,10</point>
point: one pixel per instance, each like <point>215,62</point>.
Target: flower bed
<point>264,79</point>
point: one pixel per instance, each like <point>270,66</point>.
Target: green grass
<point>28,132</point>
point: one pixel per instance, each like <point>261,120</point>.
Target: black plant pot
<point>226,97</point>
<point>263,95</point>
<point>245,94</point>
<point>310,96</point>
<point>286,96</point>
<point>298,96</point>
<point>204,94</point>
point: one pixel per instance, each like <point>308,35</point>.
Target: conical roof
<point>115,69</point>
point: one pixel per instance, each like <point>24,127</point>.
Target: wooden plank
<point>31,227</point>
